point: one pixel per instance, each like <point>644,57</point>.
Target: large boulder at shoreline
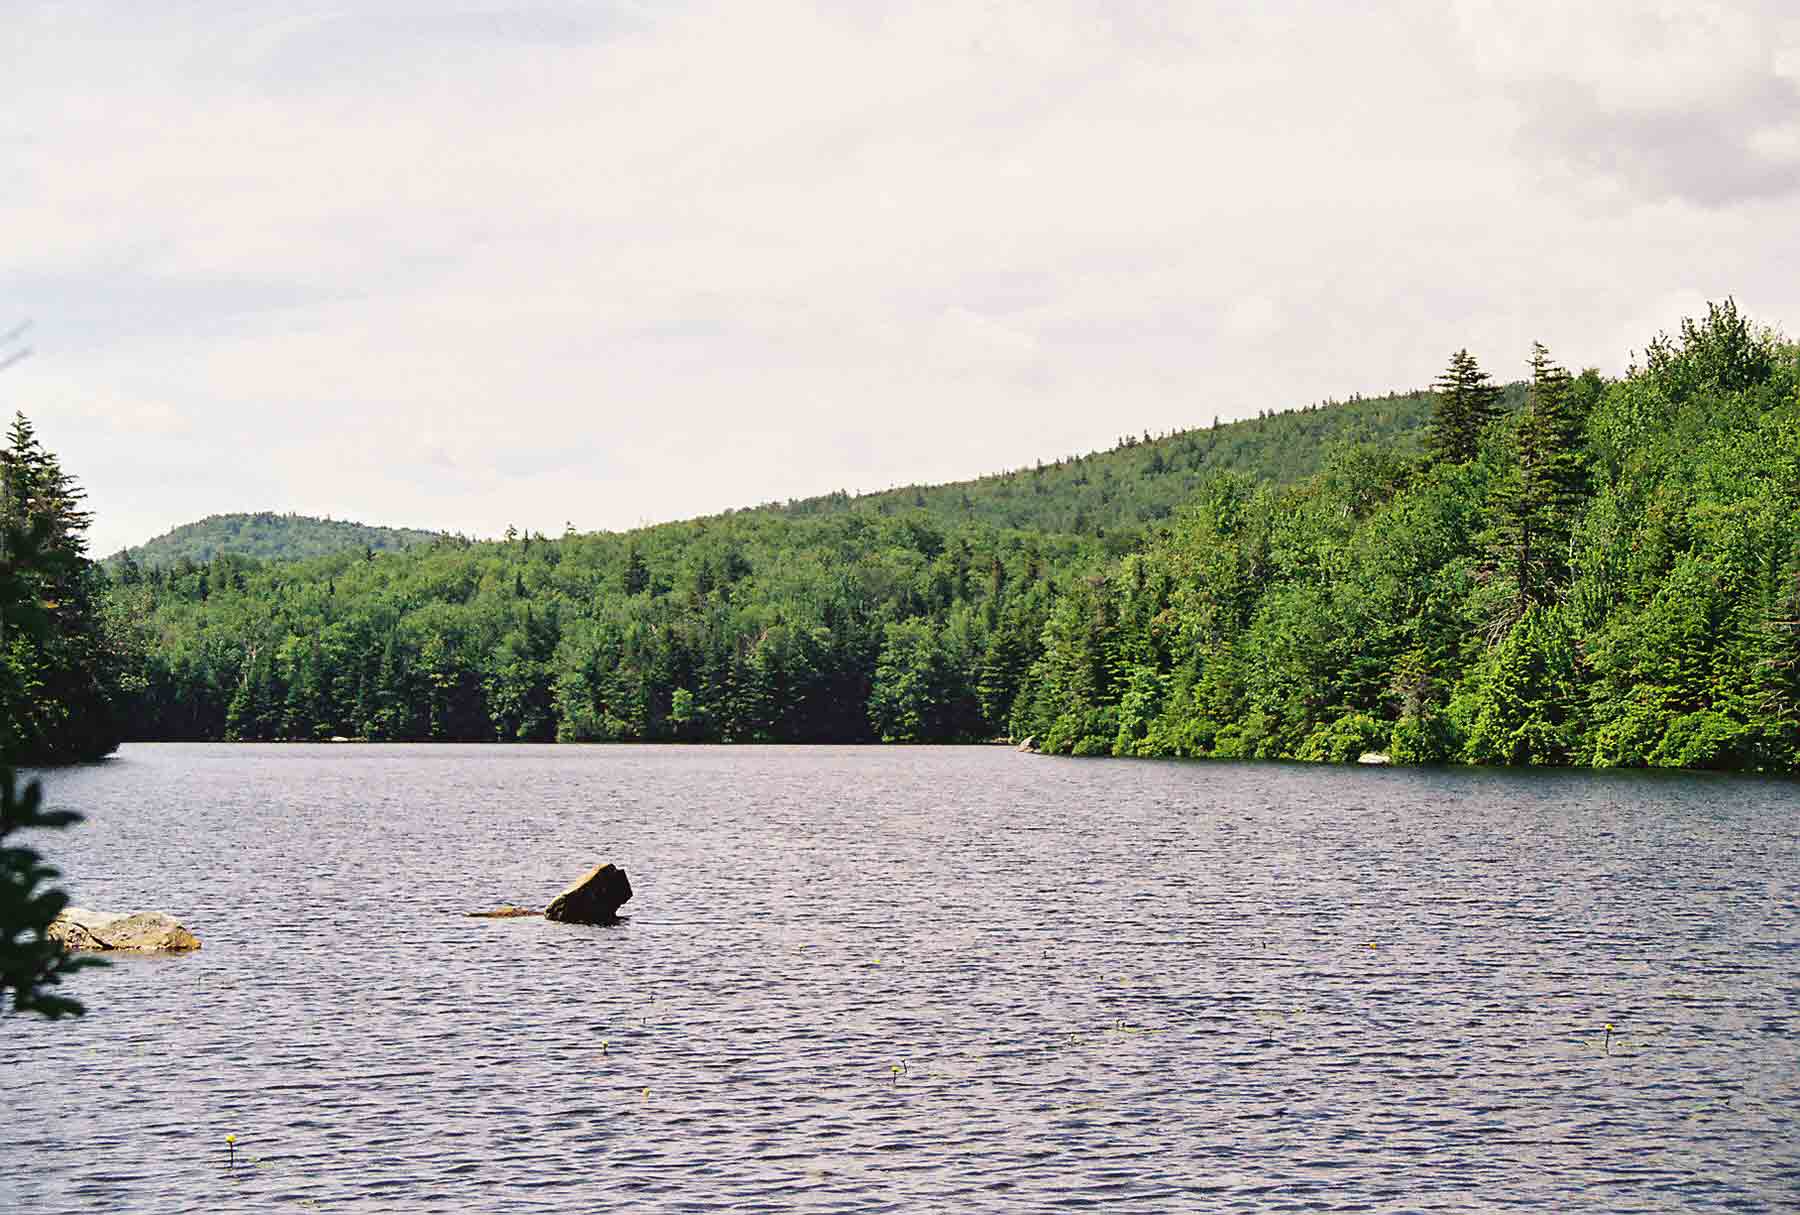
<point>595,899</point>
<point>78,928</point>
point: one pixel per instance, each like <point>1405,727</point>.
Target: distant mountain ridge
<point>267,536</point>
<point>1144,478</point>
<point>1117,495</point>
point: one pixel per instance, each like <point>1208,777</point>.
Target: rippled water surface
<point>916,980</point>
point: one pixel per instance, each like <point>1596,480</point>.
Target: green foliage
<point>58,677</point>
<point>1119,496</point>
<point>30,962</point>
<point>911,684</point>
<point>59,674</point>
<point>1426,737</point>
<point>1521,703</point>
<point>1707,739</point>
<point>264,536</point>
<point>778,623</point>
<point>1344,740</point>
<point>1465,405</point>
<point>772,629</point>
<point>1613,577</point>
<point>1579,571</point>
<point>1539,500</point>
<point>1719,354</point>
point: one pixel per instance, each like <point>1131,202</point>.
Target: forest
<point>264,535</point>
<point>1572,570</point>
<point>1608,576</point>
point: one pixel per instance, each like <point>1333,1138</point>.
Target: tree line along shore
<point>1571,570</point>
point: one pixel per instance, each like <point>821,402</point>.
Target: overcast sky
<point>458,265</point>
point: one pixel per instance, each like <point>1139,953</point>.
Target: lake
<point>892,979</point>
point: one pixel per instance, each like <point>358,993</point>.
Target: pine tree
<point>1527,707</point>
<point>637,574</point>
<point>57,678</point>
<point>1558,475</point>
<point>1008,655</point>
<point>1466,402</point>
<point>1536,514</point>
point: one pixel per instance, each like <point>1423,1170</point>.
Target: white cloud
<point>1252,318</point>
<point>1677,98</point>
<point>465,264</point>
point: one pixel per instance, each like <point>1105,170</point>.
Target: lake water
<point>886,979</point>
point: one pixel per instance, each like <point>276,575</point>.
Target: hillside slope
<point>1143,479</point>
<point>267,536</point>
<point>910,614</point>
<point>1116,495</point>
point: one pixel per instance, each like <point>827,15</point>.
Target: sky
<point>465,265</point>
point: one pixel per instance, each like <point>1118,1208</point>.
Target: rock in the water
<point>73,935</point>
<point>1373,757</point>
<point>1029,744</point>
<point>77,928</point>
<point>595,899</point>
<point>506,911</point>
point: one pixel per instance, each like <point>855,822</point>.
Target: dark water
<point>1127,986</point>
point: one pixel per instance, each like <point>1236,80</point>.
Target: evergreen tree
<point>1009,653</point>
<point>1559,473</point>
<point>1524,704</point>
<point>57,678</point>
<point>637,575</point>
<point>1464,404</point>
<point>910,699</point>
<point>1537,509</point>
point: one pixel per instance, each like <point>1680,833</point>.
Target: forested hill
<point>1604,572</point>
<point>799,594</point>
<point>267,536</point>
<point>1119,493</point>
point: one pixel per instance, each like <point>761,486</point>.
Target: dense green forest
<point>267,536</point>
<point>1609,576</point>
<point>748,627</point>
<point>845,564</point>
<point>1568,571</point>
<point>1123,492</point>
<point>1141,480</point>
<point>59,667</point>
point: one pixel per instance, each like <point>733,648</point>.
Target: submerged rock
<point>506,911</point>
<point>78,928</point>
<point>595,899</point>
